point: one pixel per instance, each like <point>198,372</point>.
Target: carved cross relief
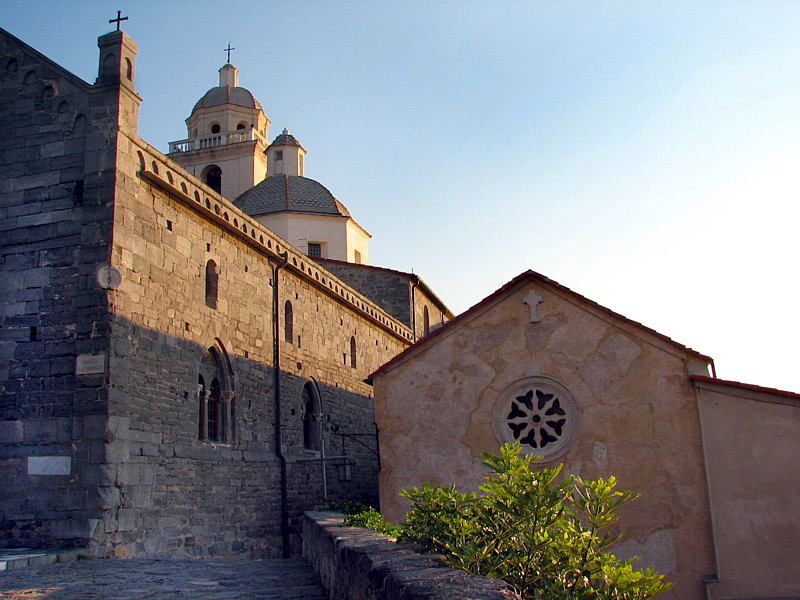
<point>532,299</point>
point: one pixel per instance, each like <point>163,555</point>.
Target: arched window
<point>288,322</point>
<point>212,175</point>
<point>215,399</point>
<point>212,283</point>
<point>426,322</point>
<point>312,419</point>
<point>353,352</point>
<point>202,394</point>
<point>128,69</point>
<point>240,126</point>
<point>214,412</point>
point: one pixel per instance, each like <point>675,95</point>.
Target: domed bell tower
<point>227,138</point>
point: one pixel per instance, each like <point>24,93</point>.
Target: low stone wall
<point>359,564</point>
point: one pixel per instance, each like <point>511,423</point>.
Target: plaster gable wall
<point>639,418</point>
<point>752,441</point>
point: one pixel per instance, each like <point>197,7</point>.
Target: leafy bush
<point>547,539</point>
<point>347,507</point>
<point>374,520</point>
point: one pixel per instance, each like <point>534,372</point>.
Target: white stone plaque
<point>49,465</point>
<point>90,364</point>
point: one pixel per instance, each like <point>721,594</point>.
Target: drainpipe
<point>276,363</point>
<point>414,285</point>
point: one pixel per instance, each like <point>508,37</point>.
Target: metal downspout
<point>276,363</point>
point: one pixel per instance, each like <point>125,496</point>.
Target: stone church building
<point>185,337</point>
<point>189,343</point>
<point>573,382</point>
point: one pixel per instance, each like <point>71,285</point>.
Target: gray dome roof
<point>217,96</point>
<point>289,193</point>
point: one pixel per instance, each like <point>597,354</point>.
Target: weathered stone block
<point>11,432</point>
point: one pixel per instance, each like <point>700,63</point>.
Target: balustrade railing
<point>224,138</point>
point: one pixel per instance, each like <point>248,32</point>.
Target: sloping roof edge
<point>66,73</point>
<point>743,386</point>
<point>421,283</point>
<point>503,290</point>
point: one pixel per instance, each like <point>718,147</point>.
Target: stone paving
<point>127,579</point>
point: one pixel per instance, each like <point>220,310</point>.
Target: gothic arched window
<point>288,322</point>
<point>212,284</point>
<point>214,412</point>
<point>215,397</point>
<point>312,419</point>
<point>426,322</point>
<point>353,352</point>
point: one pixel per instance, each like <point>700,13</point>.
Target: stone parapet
<point>356,563</point>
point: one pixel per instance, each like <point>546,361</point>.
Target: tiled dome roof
<point>227,95</point>
<point>290,193</point>
<point>285,139</point>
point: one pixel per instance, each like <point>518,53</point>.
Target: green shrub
<point>547,539</point>
<point>374,520</point>
<point>347,507</point>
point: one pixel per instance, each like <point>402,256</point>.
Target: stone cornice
<point>167,175</point>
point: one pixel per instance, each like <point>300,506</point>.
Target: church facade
<point>713,461</point>
<point>178,378</point>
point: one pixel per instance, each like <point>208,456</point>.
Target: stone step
<point>22,558</point>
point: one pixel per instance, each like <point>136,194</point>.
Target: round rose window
<point>539,413</point>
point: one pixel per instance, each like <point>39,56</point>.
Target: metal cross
<point>228,50</point>
<point>119,19</point>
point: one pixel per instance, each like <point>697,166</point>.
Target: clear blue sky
<point>644,154</point>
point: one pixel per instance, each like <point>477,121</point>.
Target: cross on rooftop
<point>228,50</point>
<point>119,19</point>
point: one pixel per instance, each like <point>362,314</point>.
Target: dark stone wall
<point>57,157</point>
<point>391,291</point>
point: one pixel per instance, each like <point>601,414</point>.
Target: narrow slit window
<point>288,322</point>
<point>212,284</point>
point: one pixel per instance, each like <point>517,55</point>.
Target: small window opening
<point>241,126</point>
<point>128,69</point>
<point>357,257</point>
<point>278,154</point>
<point>212,283</point>
<point>214,178</point>
<point>353,352</point>
<point>314,249</point>
<point>288,322</point>
<point>169,225</point>
<point>312,419</point>
<point>34,334</point>
<point>426,320</point>
<point>215,128</point>
<point>201,401</point>
<point>214,412</point>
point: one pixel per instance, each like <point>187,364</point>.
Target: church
<point>186,337</point>
<point>195,349</point>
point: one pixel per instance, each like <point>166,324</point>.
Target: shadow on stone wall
<point>141,483</point>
